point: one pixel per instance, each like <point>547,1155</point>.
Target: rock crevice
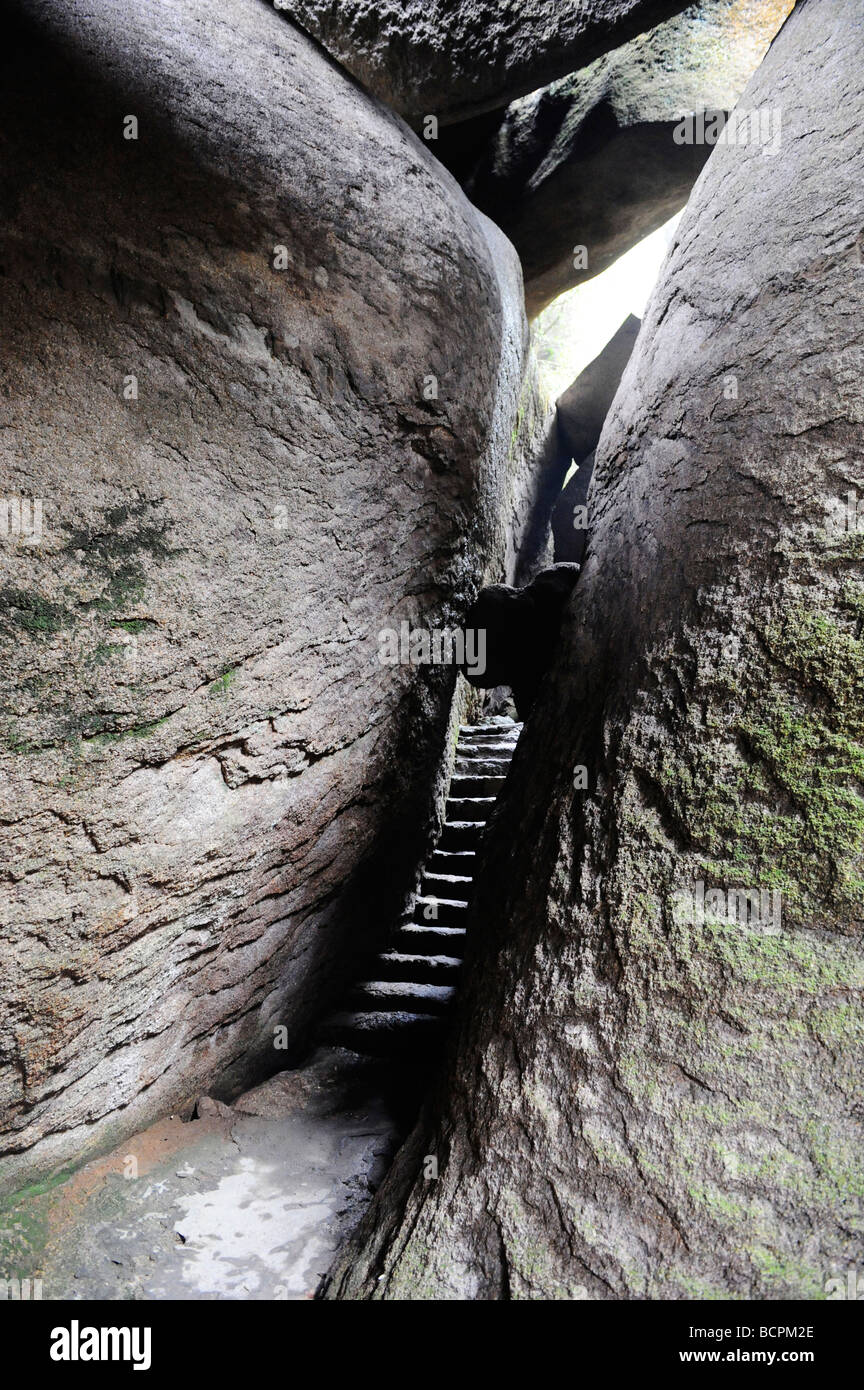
<point>655,1090</point>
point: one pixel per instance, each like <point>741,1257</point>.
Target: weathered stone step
<point>456,861</point>
<point>492,740</point>
<point>469,808</point>
<point>462,786</point>
<point>445,885</point>
<point>401,996</point>
<point>433,970</point>
<point>488,736</point>
<point>481,766</point>
<point>491,727</point>
<point>382,1032</point>
<point>504,745</point>
<point>477,754</point>
<point>461,834</point>
<point>430,939</point>
<point>444,912</point>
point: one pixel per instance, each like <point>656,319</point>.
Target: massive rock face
<point>262,364</point>
<point>591,161</point>
<point>433,57</point>
<point>656,1091</point>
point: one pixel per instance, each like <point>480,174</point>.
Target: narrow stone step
<point>401,996</point>
<point>382,1032</point>
<point>469,808</point>
<point>486,756</point>
<point>462,786</point>
<point>506,745</point>
<point>442,912</point>
<point>457,861</point>
<point>430,940</point>
<point>433,970</point>
<point>486,745</point>
<point>481,766</point>
<point>461,834</point>
<point>504,727</point>
<point>445,886</point>
<point>509,731</point>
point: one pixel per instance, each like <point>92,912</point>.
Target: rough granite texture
<point>591,160</point>
<point>451,60</point>
<point>643,1105</point>
<point>212,795</point>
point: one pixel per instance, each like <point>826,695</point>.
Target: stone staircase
<point>402,1002</point>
